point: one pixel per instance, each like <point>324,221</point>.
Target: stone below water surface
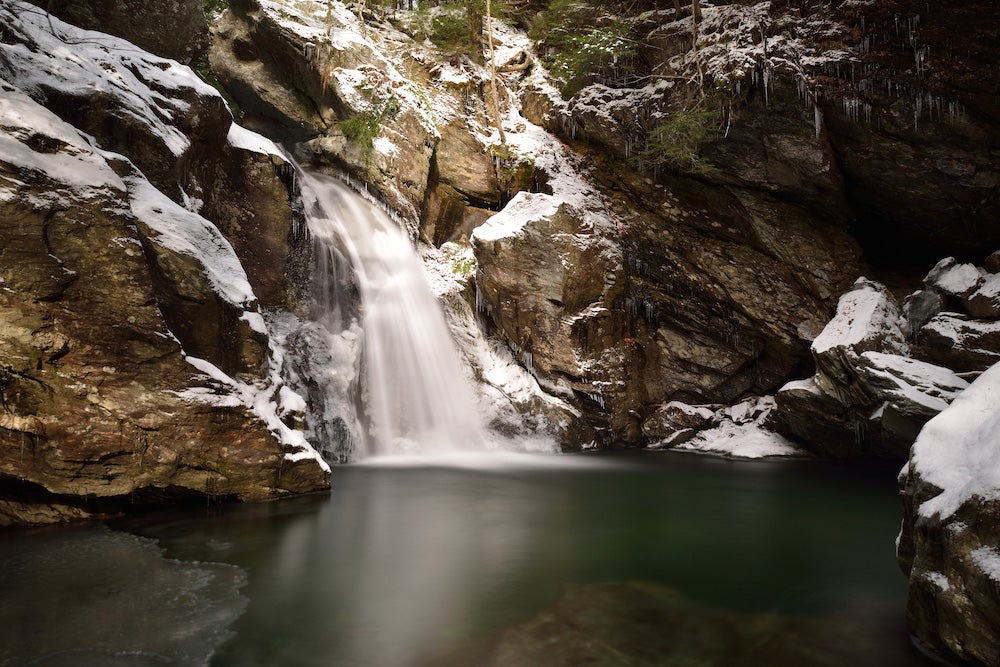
<point>642,624</point>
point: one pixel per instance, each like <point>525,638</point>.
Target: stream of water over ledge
<point>484,560</point>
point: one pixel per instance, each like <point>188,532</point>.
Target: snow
<point>694,410</point>
<point>866,313</point>
<point>809,384</point>
<point>987,559</point>
<point>446,267</point>
<point>962,331</point>
<point>60,57</point>
<point>989,290</point>
<point>385,146</point>
<point>74,165</point>
<point>918,382</point>
<point>258,397</point>
<point>523,208</point>
<point>739,431</point>
<point>958,451</point>
<point>744,441</point>
<point>244,139</point>
<point>291,402</point>
<point>938,580</point>
<point>255,321</point>
<point>190,234</point>
<point>953,278</point>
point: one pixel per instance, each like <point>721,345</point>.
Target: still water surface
<point>426,563</point>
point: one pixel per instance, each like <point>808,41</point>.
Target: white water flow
<point>415,397</point>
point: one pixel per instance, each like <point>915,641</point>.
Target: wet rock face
<point>247,195</point>
<point>919,173</point>
<point>543,280</point>
<point>176,29</point>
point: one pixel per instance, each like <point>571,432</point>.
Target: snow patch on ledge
<point>244,139</point>
<point>56,56</point>
<point>75,164</point>
<point>987,559</point>
<point>743,441</point>
<point>867,312</point>
<point>525,207</point>
<point>190,234</point>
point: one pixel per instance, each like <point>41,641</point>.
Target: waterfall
<point>370,285</point>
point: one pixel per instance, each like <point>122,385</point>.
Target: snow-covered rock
<point>954,341</point>
<point>868,398</point>
<point>867,320</point>
<point>985,300</point>
<point>154,110</point>
<point>953,278</point>
<point>677,416</point>
<point>951,527</point>
<point>742,441</point>
<point>105,278</point>
<point>739,431</point>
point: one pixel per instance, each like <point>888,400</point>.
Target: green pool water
<point>492,560</point>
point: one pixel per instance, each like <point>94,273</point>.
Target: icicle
<point>817,119</point>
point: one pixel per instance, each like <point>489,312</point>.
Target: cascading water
<point>413,395</point>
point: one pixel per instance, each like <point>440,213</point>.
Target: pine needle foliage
<point>363,127</point>
<point>675,142</point>
<point>584,43</point>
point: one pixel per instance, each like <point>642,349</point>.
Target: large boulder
<point>173,127</point>
<point>100,405</point>
<point>543,279</point>
<point>867,320</point>
<point>957,342</point>
<point>949,546</point>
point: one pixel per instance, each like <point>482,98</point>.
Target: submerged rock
<point>647,624</point>
<point>949,546</point>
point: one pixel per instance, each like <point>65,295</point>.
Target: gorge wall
<point>136,364</point>
<point>633,249</point>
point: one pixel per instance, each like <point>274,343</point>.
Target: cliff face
<point>787,189</point>
<point>135,364</point>
<point>176,30</point>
